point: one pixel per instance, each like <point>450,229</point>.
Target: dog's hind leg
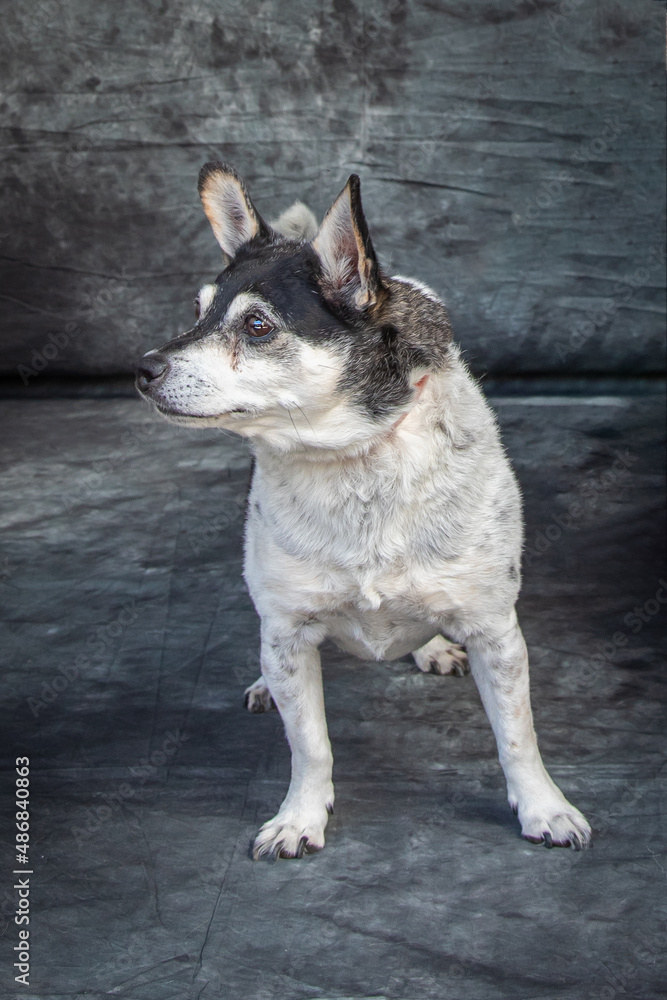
<point>258,697</point>
<point>440,656</point>
<point>499,664</point>
<point>291,667</point>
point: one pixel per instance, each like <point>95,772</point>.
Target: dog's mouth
<point>168,411</point>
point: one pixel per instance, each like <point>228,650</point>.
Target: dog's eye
<point>256,326</point>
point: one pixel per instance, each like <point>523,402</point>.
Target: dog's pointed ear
<point>233,217</point>
<point>351,273</point>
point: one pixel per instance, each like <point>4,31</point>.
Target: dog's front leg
<point>499,664</point>
<point>291,668</point>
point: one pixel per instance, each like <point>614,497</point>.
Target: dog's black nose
<point>151,368</point>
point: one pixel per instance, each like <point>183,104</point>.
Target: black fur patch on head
<point>407,331</point>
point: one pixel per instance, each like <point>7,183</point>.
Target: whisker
<point>307,421</point>
<point>295,427</point>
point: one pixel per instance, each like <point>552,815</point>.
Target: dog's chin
<point>224,419</point>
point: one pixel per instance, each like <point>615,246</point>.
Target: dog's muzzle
<point>151,372</point>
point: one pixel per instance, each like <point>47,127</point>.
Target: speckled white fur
<point>383,591</point>
<point>380,533</point>
<point>380,537</point>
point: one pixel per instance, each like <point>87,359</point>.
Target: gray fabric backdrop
<point>511,155</point>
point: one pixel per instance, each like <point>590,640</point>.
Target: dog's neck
<point>392,439</point>
<point>419,387</point>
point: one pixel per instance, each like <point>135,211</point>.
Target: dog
<point>383,512</point>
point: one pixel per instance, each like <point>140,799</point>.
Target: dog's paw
<point>291,835</point>
<point>258,697</point>
<point>440,656</point>
<point>556,824</point>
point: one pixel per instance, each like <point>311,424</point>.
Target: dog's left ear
<point>350,268</point>
<point>233,217</point>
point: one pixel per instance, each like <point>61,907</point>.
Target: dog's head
<point>301,340</point>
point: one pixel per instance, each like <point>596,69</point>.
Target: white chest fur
<point>382,548</point>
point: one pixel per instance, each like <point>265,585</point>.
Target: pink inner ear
<point>238,218</point>
<point>338,246</point>
<point>348,258</point>
<point>229,210</point>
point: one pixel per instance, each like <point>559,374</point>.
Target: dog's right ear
<point>233,217</point>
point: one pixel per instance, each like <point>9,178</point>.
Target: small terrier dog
<point>383,512</point>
